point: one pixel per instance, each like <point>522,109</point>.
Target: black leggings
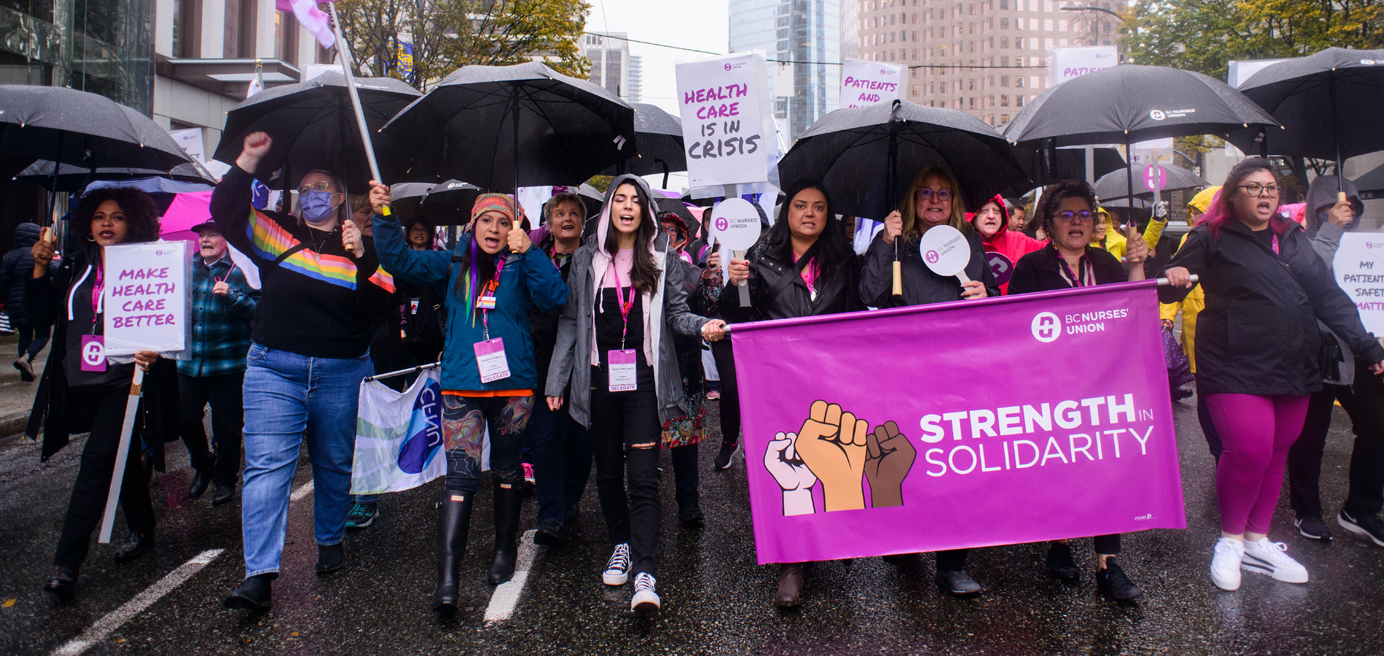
<point>730,392</point>
<point>88,504</point>
<point>619,421</point>
<point>1364,402</point>
<point>32,339</point>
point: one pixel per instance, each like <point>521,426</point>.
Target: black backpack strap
<point>289,253</point>
<point>801,264</point>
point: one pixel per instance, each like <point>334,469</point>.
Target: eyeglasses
<point>321,186</point>
<point>1083,215</point>
<point>1259,190</point>
<point>942,195</point>
<point>419,228</point>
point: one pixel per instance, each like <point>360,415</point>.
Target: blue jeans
<point>554,439</point>
<point>287,397</point>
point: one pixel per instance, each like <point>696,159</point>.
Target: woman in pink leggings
<point>1257,347</point>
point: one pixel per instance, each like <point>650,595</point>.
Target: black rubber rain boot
<point>507,498</point>
<point>453,524</point>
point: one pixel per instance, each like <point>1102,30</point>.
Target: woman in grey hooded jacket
<point>615,348</point>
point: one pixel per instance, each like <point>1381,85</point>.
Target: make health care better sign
<point>146,292</point>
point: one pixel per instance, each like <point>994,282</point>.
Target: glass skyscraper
<point>802,40</point>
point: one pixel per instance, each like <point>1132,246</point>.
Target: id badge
<point>622,371</point>
<point>485,303</point>
<point>413,306</point>
<point>490,358</point>
<point>93,353</point>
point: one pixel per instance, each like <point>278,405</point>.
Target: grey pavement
<point>716,599</point>
<point>16,396</point>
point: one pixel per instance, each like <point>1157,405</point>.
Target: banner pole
<point>344,50</point>
<point>122,455</point>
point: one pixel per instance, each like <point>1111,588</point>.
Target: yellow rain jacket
<point>1195,300</point>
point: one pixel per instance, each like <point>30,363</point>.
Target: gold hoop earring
<point>91,238</point>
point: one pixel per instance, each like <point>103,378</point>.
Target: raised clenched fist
<point>833,444</point>
<point>890,457</point>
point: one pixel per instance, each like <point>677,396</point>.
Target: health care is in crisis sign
<point>726,126</point>
<point>909,430</point>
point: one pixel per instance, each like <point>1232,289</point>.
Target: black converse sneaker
<point>617,570</point>
<point>645,598</point>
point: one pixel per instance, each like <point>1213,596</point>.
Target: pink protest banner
<point>968,424</point>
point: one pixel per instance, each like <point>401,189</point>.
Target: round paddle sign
<point>946,251</point>
<point>1000,266</point>
<point>735,223</point>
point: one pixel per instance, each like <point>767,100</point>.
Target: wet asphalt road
<point>716,599</point>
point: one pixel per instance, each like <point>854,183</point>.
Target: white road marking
<point>506,595</point>
<point>113,620</point>
<point>301,492</point>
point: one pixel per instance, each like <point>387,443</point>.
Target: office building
<point>802,40</point>
<point>611,64</point>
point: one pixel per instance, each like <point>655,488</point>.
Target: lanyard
<point>625,307</point>
<point>809,274</point>
<point>1275,244</point>
<point>97,302</point>
<point>493,287</point>
<point>225,277</point>
<point>1077,281</point>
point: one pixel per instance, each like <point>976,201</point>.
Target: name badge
<point>623,377</point>
<point>93,353</point>
<point>485,303</point>
<point>490,359</point>
<point>413,306</point>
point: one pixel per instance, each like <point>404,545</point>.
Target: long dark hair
<point>141,214</point>
<point>833,244</point>
<point>644,273</point>
<point>1053,197</point>
<point>1222,209</point>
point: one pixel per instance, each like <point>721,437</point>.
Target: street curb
<point>13,424</point>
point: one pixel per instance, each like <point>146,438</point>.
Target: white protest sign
<point>735,222</point>
<point>866,83</point>
<point>191,141</point>
<point>723,121</point>
<point>1067,63</point>
<point>146,297</point>
<point>946,251</point>
<point>1359,270</point>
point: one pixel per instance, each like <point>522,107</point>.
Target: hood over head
<point>646,203</point>
<point>26,235</point>
<point>1202,201</point>
<point>1321,197</point>
<point>1004,219</point>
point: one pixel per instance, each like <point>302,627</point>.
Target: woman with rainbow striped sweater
<point>322,291</point>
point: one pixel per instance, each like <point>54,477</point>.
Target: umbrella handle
<point>898,278</point>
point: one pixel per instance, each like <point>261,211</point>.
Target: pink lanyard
<point>624,307</point>
<point>1275,243</point>
<point>225,277</point>
<point>809,274</point>
<point>96,301</point>
<point>494,288</point>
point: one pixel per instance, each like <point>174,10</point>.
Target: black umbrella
<point>862,155</point>
<point>1116,183</point>
<point>1062,164</point>
<point>314,127</point>
<point>677,207</point>
<point>1327,103</point>
<point>658,144</point>
<point>73,178</point>
<point>446,203</point>
<point>502,127</point>
<point>1129,103</point>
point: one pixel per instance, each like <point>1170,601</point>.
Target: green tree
<point>448,34</point>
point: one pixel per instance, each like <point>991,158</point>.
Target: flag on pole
<point>311,18</point>
<point>399,443</point>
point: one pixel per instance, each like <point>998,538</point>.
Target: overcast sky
<point>698,24</point>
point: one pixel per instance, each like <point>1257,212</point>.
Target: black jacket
<point>18,265</point>
<point>778,292</point>
<point>1039,271</point>
<point>920,285</point>
<point>1258,333</point>
<point>544,323</point>
<point>44,301</point>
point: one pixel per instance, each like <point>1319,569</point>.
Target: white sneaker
<point>617,570</point>
<point>1225,566</point>
<point>645,599</point>
<point>1270,558</point>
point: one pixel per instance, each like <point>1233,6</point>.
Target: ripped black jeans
<point>625,435</point>
<point>464,423</point>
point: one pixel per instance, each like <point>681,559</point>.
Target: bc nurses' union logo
<point>932,257</point>
<point>1157,115</point>
<point>1046,327</point>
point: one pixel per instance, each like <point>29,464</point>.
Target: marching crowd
<point>566,349</point>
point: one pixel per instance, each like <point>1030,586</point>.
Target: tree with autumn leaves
<point>447,34</point>
<point>1204,35</point>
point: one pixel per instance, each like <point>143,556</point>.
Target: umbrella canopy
<point>677,207</point>
<point>80,128</point>
<point>491,125</point>
<point>1116,183</point>
<point>850,150</point>
<point>314,127</point>
<point>74,178</point>
<point>186,211</point>
<point>1067,164</point>
<point>1326,103</point>
<point>446,203</point>
<point>658,143</point>
<point>1129,103</point>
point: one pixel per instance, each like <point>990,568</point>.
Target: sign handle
<point>744,285</point>
<point>122,454</point>
<point>962,276</point>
